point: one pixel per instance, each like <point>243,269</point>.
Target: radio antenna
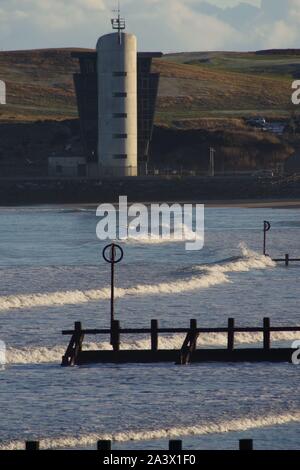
<point>118,23</point>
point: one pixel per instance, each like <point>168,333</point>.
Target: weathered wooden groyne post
<point>246,444</point>
<point>32,445</point>
<point>175,445</point>
<point>75,346</point>
<point>104,446</point>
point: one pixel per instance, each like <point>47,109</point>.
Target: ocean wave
<point>221,427</point>
<point>184,235</point>
<point>203,277</point>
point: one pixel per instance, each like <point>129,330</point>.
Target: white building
<point>117,102</point>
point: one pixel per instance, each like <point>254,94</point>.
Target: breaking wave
<point>184,234</point>
<point>42,354</point>
<point>221,427</point>
<point>202,277</point>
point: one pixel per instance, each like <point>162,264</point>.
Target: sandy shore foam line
<point>235,425</point>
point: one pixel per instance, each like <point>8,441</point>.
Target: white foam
<point>203,277</point>
<point>42,354</point>
<point>183,235</point>
<point>221,427</point>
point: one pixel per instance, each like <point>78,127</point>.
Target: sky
<point>162,25</point>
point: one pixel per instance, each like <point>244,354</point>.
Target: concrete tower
<point>117,102</point>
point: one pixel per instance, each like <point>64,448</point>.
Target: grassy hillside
<point>193,86</point>
<point>276,63</point>
<point>219,84</point>
<point>39,84</point>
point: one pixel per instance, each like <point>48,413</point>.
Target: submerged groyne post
<point>154,335</point>
<point>246,444</point>
<point>32,445</point>
<point>267,227</point>
<point>75,346</point>
<point>104,446</point>
<point>267,334</point>
<point>194,336</point>
<point>230,337</point>
<point>175,446</point>
<point>115,335</point>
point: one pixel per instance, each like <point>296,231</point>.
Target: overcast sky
<point>166,25</point>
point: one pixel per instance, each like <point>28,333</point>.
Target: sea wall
<point>54,191</point>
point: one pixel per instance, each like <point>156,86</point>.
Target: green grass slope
<point>193,86</point>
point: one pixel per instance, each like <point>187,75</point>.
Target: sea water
<point>52,274</point>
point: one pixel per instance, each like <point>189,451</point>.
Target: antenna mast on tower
<point>118,23</point>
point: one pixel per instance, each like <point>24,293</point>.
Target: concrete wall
<point>117,96</point>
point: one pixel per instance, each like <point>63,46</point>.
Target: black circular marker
<point>111,259</point>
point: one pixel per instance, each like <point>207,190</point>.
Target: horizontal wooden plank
<point>291,260</point>
<point>186,330</point>
<point>200,355</point>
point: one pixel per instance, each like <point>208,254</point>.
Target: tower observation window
<point>120,136</point>
<point>120,156</point>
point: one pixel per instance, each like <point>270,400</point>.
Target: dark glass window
<point>119,95</point>
<point>120,136</point>
<point>120,156</point>
<point>120,115</point>
<point>120,74</point>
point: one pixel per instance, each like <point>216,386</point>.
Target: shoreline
<point>257,204</point>
<point>222,204</point>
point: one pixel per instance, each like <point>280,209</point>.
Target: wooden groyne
<point>188,353</point>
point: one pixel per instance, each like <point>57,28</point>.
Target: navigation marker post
<point>113,254</point>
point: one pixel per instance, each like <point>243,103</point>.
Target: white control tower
<point>117,102</point>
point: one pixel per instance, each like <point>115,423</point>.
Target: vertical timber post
<point>104,446</point>
<point>32,445</point>
<point>112,286</point>
<point>154,335</point>
<point>246,444</point>
<point>267,227</point>
<point>75,346</point>
<point>193,327</point>
<point>230,337</point>
<point>115,335</point>
<point>78,328</point>
<point>287,259</point>
<point>175,446</point>
<point>267,334</point>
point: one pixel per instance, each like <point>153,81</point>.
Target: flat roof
<point>92,55</point>
<point>149,54</point>
<point>84,55</point>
